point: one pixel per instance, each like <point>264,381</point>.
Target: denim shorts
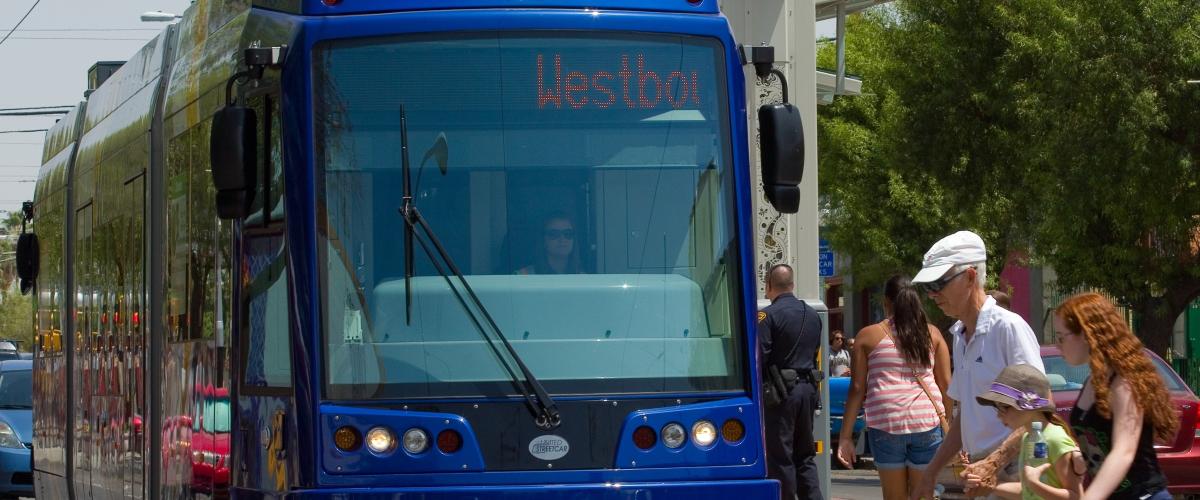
<point>897,451</point>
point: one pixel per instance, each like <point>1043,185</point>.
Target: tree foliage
<point>1062,130</point>
<point>16,318</point>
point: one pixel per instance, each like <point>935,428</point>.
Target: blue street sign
<point>825,264</point>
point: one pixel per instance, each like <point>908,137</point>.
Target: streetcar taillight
<point>644,437</point>
<point>449,441</point>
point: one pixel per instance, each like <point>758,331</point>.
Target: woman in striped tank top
<point>903,426</point>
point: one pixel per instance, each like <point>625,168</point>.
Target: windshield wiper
<point>545,411</point>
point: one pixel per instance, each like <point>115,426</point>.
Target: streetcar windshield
<point>581,183</point>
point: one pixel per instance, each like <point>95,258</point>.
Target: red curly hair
<point>1116,351</point>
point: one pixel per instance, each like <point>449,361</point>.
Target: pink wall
<point>1015,280</point>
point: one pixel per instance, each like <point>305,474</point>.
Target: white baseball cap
<point>963,247</point>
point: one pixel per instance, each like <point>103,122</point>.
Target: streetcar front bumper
<point>702,490</point>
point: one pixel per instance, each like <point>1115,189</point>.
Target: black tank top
<point>1094,434</point>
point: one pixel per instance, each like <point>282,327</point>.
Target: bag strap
<point>940,410</point>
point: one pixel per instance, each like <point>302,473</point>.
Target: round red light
<point>449,441</point>
<point>331,3</point>
<point>644,437</point>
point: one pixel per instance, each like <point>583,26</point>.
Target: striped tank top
<point>895,402</point>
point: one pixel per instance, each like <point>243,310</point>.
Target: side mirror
<point>27,260</point>
<point>782,136</point>
<point>234,153</point>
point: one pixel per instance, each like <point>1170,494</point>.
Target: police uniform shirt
<point>789,332</point>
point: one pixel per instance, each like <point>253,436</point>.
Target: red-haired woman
<point>1122,407</point>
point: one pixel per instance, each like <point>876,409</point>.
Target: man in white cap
<point>987,338</point>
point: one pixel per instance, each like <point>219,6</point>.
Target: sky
<point>45,62</point>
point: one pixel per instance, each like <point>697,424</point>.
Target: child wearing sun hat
<point>1021,396</point>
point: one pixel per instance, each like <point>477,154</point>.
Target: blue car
<point>839,388</point>
<point>16,428</point>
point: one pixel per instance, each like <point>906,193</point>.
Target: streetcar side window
<point>268,352</point>
<point>266,330</point>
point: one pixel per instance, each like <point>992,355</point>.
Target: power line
<point>88,29</point>
<point>80,38</point>
<point>14,28</point>
<point>35,113</point>
<point>37,107</point>
<point>23,131</point>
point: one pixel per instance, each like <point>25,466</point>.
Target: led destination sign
<point>630,83</point>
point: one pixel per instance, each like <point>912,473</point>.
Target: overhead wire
<point>80,38</point>
<point>32,108</point>
<point>14,28</point>
<point>57,30</point>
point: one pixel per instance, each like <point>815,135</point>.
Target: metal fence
<point>1184,363</point>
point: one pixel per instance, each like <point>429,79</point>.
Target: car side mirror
<point>233,153</point>
<point>782,136</point>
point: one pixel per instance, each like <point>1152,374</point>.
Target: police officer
<point>789,332</point>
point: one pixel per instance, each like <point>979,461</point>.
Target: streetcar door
<point>261,460</point>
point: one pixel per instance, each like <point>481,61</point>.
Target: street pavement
<point>858,484</point>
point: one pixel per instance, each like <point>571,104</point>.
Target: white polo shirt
<point>1001,338</point>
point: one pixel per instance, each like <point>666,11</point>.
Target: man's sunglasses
<point>554,234</point>
<point>937,286</point>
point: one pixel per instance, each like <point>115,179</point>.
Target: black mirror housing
<point>782,138</point>
<point>27,260</point>
<point>233,151</point>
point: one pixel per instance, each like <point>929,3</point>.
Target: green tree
<point>1064,130</point>
<point>16,318</point>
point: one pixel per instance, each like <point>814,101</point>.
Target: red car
<point>1179,459</point>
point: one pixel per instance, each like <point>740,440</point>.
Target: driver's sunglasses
<point>554,234</point>
<point>937,286</point>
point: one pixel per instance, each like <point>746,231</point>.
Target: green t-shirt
<point>1058,443</point>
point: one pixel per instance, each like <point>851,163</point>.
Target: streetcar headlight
<point>416,441</point>
<point>673,435</point>
<point>704,433</point>
<point>380,440</point>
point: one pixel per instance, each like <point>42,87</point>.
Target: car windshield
<point>582,184</point>
<point>1064,377</point>
<point>16,389</point>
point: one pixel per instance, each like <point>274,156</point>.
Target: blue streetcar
<point>407,249</point>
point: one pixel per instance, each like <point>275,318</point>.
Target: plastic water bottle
<point>938,491</point>
<point>1038,452</point>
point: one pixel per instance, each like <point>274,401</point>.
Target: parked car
<point>1180,458</point>
<point>839,388</point>
<point>16,428</point>
<point>8,350</point>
